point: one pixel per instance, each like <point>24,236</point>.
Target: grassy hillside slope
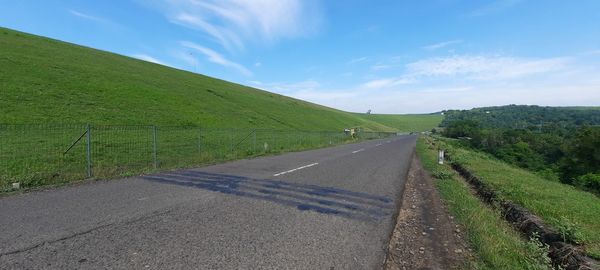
<point>405,122</point>
<point>49,81</point>
<point>494,244</point>
<point>572,212</point>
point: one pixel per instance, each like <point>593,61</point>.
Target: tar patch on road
<point>324,200</point>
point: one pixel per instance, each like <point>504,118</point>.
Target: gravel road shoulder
<point>425,235</point>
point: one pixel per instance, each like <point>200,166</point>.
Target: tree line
<point>558,143</point>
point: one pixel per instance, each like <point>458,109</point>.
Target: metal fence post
<point>154,147</point>
<point>254,141</point>
<point>88,149</point>
<point>200,140</point>
<point>231,141</point>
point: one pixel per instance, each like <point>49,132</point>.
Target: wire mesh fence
<point>34,155</point>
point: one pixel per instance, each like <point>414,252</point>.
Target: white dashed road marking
<point>359,150</point>
<point>299,168</point>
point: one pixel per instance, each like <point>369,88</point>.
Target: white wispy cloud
<point>380,66</point>
<point>186,57</point>
<point>88,16</point>
<point>494,7</point>
<point>461,82</point>
<point>288,87</point>
<point>232,22</point>
<point>389,82</point>
<point>442,44</point>
<point>356,60</point>
<point>148,58</point>
<point>389,62</point>
<point>485,67</point>
<point>217,58</point>
<point>427,99</point>
<point>328,96</point>
<point>592,52</point>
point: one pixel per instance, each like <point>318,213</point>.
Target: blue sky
<point>389,56</point>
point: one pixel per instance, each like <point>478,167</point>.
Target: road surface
<point>330,208</point>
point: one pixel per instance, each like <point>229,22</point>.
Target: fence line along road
<point>45,154</point>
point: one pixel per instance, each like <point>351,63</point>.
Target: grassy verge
<point>40,155</point>
<point>495,244</point>
<point>49,81</point>
<point>405,122</point>
<point>574,213</point>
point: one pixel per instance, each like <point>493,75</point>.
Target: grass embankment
<point>49,81</point>
<point>37,155</point>
<point>405,122</point>
<point>495,244</point>
<point>63,86</point>
<point>574,213</point>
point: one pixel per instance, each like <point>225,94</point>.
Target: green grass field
<point>51,89</point>
<point>494,243</point>
<point>573,212</point>
<point>37,155</point>
<point>405,122</point>
<point>49,81</point>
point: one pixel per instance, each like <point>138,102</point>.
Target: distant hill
<point>406,122</point>
<point>49,81</point>
<point>525,116</point>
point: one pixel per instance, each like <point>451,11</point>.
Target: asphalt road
<point>329,208</point>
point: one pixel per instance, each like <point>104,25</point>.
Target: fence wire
<point>35,155</point>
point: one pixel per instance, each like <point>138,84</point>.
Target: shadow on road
<point>324,200</point>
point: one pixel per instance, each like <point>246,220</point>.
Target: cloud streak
<point>287,87</point>
<point>217,58</point>
<point>88,17</point>
<point>442,44</point>
<point>384,83</point>
<point>466,81</point>
<point>485,67</point>
<point>231,23</point>
<point>356,60</point>
<point>494,7</point>
<point>427,99</point>
<point>148,58</point>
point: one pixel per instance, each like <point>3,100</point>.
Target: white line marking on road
<point>299,168</point>
<point>379,144</point>
<point>359,150</point>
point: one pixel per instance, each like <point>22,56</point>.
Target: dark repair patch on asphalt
<point>324,200</point>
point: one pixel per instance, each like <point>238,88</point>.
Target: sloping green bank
<point>405,122</point>
<point>49,81</point>
<point>572,212</point>
<point>495,244</point>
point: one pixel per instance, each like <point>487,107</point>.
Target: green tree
<point>582,155</point>
<point>462,128</point>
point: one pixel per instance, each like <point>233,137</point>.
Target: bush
<point>442,174</point>
<point>569,230</point>
<point>548,174</point>
<point>462,128</point>
<point>590,181</point>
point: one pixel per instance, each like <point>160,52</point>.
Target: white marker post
<point>441,157</point>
